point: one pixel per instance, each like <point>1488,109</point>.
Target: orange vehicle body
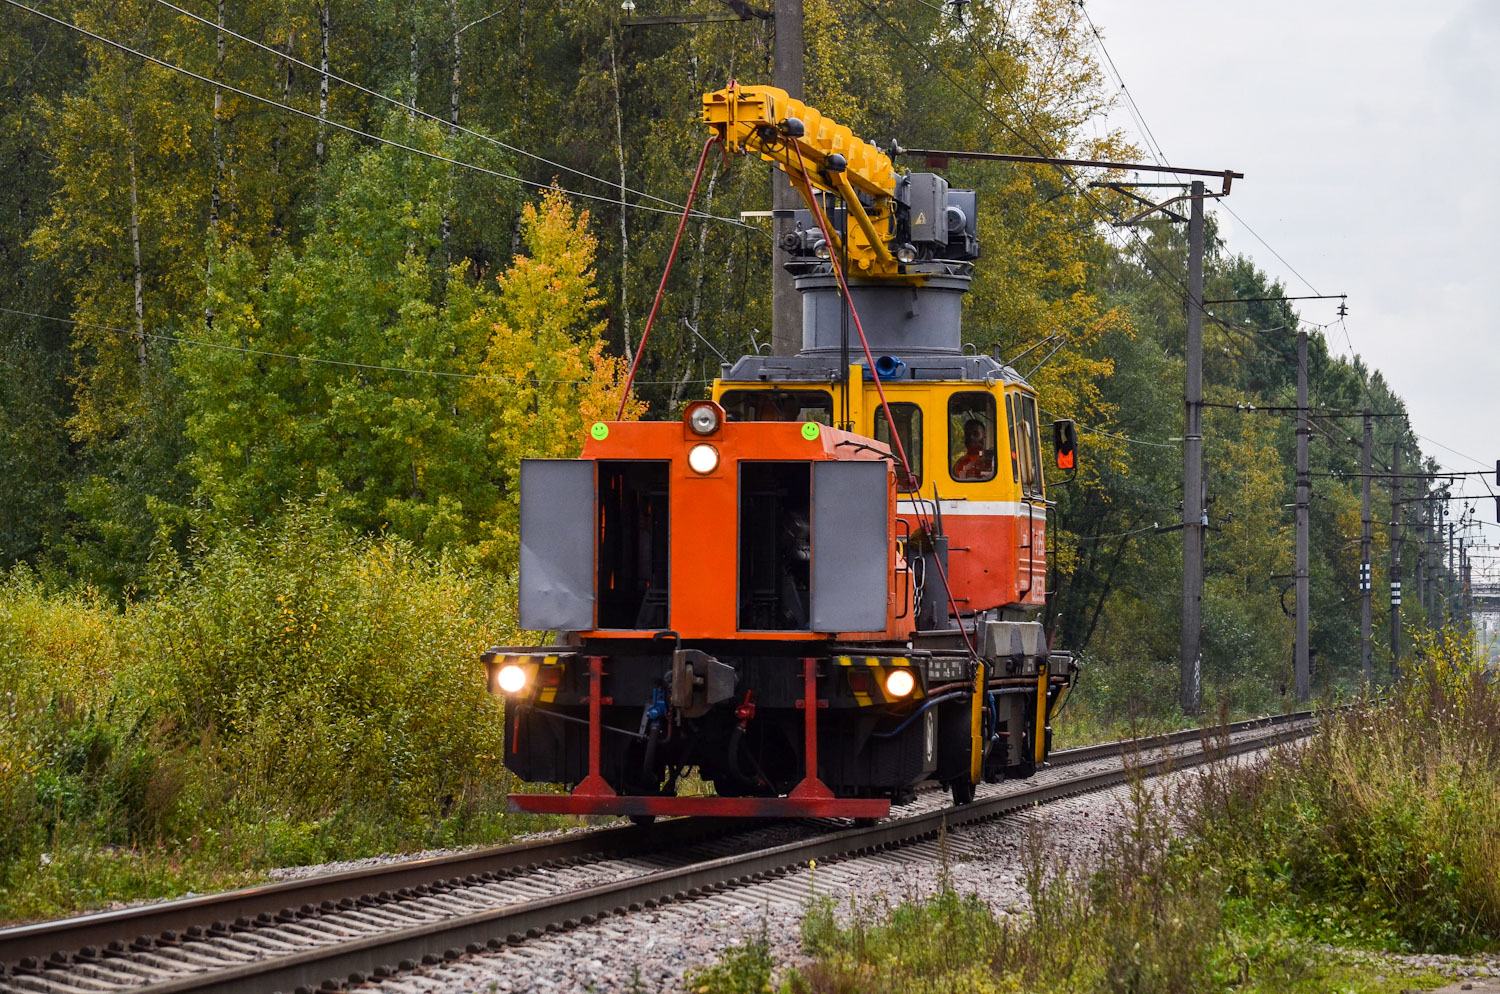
<point>997,550</point>
<point>704,508</point>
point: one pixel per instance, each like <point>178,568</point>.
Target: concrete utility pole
<point>1463,580</point>
<point>1424,512</point>
<point>1449,601</point>
<point>1440,553</point>
<point>1395,560</point>
<point>1366,578</point>
<point>786,307</point>
<point>1301,670</point>
<point>1193,518</point>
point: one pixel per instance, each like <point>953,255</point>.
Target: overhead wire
<point>1153,527</point>
<point>265,353</point>
<point>1036,144</point>
<point>337,125</point>
<point>1161,159</point>
<point>411,108</point>
<point>1158,269</point>
<point>1157,272</point>
<point>1160,155</point>
<point>340,126</point>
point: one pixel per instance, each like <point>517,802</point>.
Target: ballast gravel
<point>654,950</point>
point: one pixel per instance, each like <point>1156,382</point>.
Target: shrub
<point>296,695</point>
<point>1386,828</point>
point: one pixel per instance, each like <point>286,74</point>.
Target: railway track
<point>344,928</point>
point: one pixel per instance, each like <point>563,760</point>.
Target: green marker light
<point>810,430</point>
<point>600,431</point>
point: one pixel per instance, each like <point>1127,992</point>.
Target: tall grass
<point>295,695</point>
<point>1385,829</point>
<point>1381,832</point>
<point>1147,919</point>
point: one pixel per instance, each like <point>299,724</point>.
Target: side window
<point>1033,446</point>
<point>909,426</point>
<point>778,405</point>
<point>1010,420</point>
<point>971,436</point>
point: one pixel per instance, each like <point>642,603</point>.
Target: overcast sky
<point>1367,133</point>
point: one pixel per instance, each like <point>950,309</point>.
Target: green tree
<point>364,369</point>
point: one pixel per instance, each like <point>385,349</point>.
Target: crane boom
<point>790,134</point>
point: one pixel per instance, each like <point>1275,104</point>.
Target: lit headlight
<point>703,458</point>
<point>704,419</point>
<point>511,679</point>
<point>899,683</point>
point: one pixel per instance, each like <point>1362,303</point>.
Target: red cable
<point>833,257</point>
<point>660,290</point>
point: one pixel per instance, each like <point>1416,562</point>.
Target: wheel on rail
<point>643,820</point>
<point>962,790</point>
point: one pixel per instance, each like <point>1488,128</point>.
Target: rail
<point>44,954</point>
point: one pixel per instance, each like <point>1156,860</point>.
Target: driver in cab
<point>976,463</point>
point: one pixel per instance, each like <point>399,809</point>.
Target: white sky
<point>1368,134</point>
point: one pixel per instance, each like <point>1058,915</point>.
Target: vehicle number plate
<point>946,669</point>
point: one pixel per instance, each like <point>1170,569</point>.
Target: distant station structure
<point>1484,599</point>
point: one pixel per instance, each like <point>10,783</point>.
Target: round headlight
<point>900,683</point>
<point>820,249</point>
<point>906,254</point>
<point>704,420</point>
<point>703,458</point>
<point>511,679</point>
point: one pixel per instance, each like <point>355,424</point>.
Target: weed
<point>741,969</point>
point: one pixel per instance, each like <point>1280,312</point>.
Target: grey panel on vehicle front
<point>850,538</point>
<point>557,544</point>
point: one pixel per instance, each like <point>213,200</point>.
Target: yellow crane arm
<point>756,119</point>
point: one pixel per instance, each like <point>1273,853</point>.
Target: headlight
<point>907,254</point>
<point>900,683</point>
<point>704,419</point>
<point>703,458</point>
<point>511,679</point>
<point>820,249</point>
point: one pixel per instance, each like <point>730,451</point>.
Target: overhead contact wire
<point>410,109</point>
<point>687,210</point>
<point>838,271</point>
<point>329,122</point>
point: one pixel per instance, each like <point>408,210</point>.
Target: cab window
<point>1010,421</point>
<point>971,436</point>
<point>778,405</point>
<point>908,418</point>
<point>1031,451</point>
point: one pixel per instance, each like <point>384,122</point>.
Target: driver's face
<point>974,437</point>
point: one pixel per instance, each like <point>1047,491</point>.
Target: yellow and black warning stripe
<point>545,690</point>
<point>871,689</point>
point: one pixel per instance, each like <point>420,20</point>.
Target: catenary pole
<point>1395,559</point>
<point>786,305</point>
<point>1366,576</point>
<point>1450,602</point>
<point>1301,671</point>
<point>1440,555</point>
<point>1192,471</point>
<point>1419,559</point>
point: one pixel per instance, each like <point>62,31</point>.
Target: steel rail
<point>472,932</point>
<point>149,921</point>
<point>353,962</point>
<point>1088,753</point>
<point>129,925</point>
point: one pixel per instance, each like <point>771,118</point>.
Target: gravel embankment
<point>652,950</point>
